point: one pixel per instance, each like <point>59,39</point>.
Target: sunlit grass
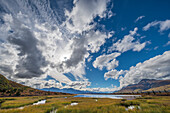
<point>159,104</point>
<point>18,102</point>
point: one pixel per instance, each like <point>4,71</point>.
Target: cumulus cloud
<point>77,55</point>
<point>113,74</point>
<point>91,41</point>
<point>95,39</point>
<point>107,61</point>
<point>163,25</point>
<point>31,59</point>
<point>128,43</point>
<point>83,13</point>
<point>139,18</point>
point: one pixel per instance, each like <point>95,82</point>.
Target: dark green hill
<point>7,84</point>
<point>10,88</point>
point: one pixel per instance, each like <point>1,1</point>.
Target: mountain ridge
<point>147,85</point>
<point>71,91</point>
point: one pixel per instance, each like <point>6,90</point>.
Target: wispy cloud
<point>163,25</point>
<point>167,44</point>
<point>139,18</point>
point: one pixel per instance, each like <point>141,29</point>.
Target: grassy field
<point>61,104</point>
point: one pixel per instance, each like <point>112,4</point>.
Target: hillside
<point>146,85</point>
<point>10,88</point>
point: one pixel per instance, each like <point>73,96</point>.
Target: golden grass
<point>157,104</point>
<point>19,101</point>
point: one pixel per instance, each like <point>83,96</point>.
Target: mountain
<point>146,85</point>
<point>10,88</point>
<point>66,90</point>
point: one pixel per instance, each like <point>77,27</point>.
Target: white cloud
<point>83,13</point>
<point>90,58</point>
<point>113,74</point>
<point>106,89</point>
<point>155,68</point>
<point>111,34</point>
<point>95,39</point>
<point>34,43</point>
<point>43,83</point>
<point>139,18</point>
<point>107,61</point>
<point>78,84</point>
<point>147,27</point>
<point>167,44</point>
<point>29,46</point>
<point>155,48</point>
<point>128,43</point>
<point>163,25</point>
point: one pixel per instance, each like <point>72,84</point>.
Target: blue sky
<point>126,13</point>
<point>96,45</point>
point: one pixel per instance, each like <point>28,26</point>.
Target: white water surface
<point>40,102</point>
<point>128,97</point>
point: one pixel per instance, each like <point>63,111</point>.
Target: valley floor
<point>70,104</point>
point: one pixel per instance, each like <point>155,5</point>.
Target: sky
<point>94,45</point>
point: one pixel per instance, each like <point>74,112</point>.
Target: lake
<point>128,97</point>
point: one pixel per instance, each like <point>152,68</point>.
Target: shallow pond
<point>36,103</point>
<point>40,102</point>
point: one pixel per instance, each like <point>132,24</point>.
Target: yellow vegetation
<point>156,104</point>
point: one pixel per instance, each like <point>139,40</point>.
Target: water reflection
<point>40,102</point>
<point>128,97</point>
